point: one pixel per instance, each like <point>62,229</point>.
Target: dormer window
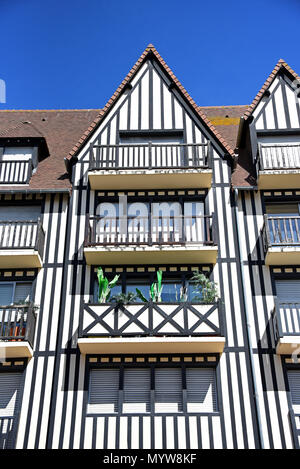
<point>17,163</point>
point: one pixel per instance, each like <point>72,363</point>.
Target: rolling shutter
<point>294,384</point>
<point>201,390</point>
<point>20,213</point>
<point>10,384</point>
<point>288,291</point>
<point>136,390</point>
<point>104,391</point>
<point>168,390</point>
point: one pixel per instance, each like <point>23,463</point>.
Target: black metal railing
<point>17,323</point>
<point>150,156</point>
<point>152,319</point>
<point>142,230</point>
<point>15,172</point>
<point>281,231</point>
<point>22,235</point>
<point>281,156</point>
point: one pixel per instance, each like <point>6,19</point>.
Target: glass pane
<point>171,292</point>
<point>6,293</point>
<point>22,292</point>
<point>194,294</point>
<point>144,288</point>
<point>114,291</point>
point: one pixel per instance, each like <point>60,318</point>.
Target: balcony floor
<point>288,345</point>
<point>113,255</point>
<point>19,258</point>
<point>287,255</point>
<point>152,345</point>
<point>150,179</point>
<point>279,179</point>
<point>15,349</point>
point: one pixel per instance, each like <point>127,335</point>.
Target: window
<point>17,153</point>
<point>294,385</point>
<point>10,385</point>
<point>20,213</point>
<point>176,390</point>
<point>14,292</point>
<point>284,223</point>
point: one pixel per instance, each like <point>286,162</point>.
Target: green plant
<point>124,298</point>
<point>204,289</point>
<point>155,289</point>
<point>105,286</point>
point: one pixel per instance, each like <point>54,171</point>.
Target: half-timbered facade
<point>267,181</point>
<point>150,191</point>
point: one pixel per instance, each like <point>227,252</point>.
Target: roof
<point>103,112</point>
<point>226,120</point>
<point>60,128</point>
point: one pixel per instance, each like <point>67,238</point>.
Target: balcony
<point>149,240</point>
<point>281,237</point>
<point>21,244</point>
<point>17,328</point>
<point>15,172</point>
<point>150,166</point>
<point>279,166</point>
<point>151,328</point>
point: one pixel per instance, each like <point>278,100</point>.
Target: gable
<point>281,109</point>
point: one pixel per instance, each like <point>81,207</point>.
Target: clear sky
<point>73,54</point>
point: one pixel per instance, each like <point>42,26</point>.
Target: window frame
<point>181,364</point>
<point>14,283</point>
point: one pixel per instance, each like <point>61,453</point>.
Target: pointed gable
<point>276,105</point>
<point>148,99</point>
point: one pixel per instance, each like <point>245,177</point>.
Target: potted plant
<point>205,290</point>
<point>155,289</point>
<point>105,286</point>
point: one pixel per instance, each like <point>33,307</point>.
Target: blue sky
<point>73,54</point>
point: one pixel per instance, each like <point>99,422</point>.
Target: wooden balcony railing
<point>149,230</point>
<point>281,156</point>
<point>150,156</point>
<point>151,319</point>
<point>15,172</point>
<point>22,235</point>
<point>281,231</point>
<point>17,323</point>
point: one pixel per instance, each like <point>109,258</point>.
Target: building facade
<point>187,218</point>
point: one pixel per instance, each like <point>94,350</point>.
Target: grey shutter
<point>22,292</point>
<point>288,291</point>
<point>20,213</point>
<point>136,390</point>
<point>294,384</point>
<point>10,384</point>
<point>168,390</point>
<point>104,391</point>
<point>201,390</point>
